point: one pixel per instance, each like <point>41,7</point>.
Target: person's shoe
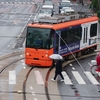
<point>62,80</point>
<point>52,79</point>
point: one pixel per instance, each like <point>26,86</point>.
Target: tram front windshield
<point>39,38</point>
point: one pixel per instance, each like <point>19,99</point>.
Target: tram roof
<point>64,24</point>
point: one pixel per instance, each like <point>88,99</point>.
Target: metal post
<point>99,4</point>
<point>82,2</point>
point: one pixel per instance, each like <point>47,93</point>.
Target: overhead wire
<point>70,51</point>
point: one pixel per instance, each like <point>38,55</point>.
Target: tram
<point>59,36</point>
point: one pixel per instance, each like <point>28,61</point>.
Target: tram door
<point>85,36</point>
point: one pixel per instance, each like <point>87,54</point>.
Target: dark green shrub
<point>95,5</point>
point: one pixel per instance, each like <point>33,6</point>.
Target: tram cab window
<point>38,37</point>
<point>93,30</point>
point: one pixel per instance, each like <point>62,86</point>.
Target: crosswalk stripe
<point>78,77</point>
<point>91,77</point>
<point>17,2</point>
<point>39,77</point>
<point>99,73</point>
<point>66,78</point>
<point>6,2</point>
<point>2,2</point>
<point>12,77</point>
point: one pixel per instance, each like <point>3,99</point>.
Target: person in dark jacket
<point>58,70</point>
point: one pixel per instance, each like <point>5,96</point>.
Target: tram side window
<point>78,34</point>
<point>67,37</point>
<point>71,35</point>
<point>64,37</point>
<point>93,30</point>
<point>57,42</point>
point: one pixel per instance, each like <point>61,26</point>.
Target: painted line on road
<point>39,77</point>
<point>91,77</point>
<point>17,3</point>
<point>33,93</point>
<point>73,68</point>
<point>78,77</point>
<point>12,77</point>
<point>66,78</point>
<point>35,98</point>
<point>90,64</point>
<point>99,73</point>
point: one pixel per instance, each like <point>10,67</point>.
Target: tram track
<point>24,83</point>
<point>10,64</point>
<point>9,57</point>
<point>45,84</point>
<point>46,88</point>
<point>64,64</point>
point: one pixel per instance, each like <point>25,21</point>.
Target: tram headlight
<point>46,55</point>
<point>27,54</point>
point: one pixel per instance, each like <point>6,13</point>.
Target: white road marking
<point>99,73</point>
<point>91,77</point>
<point>24,67</point>
<point>12,77</point>
<point>70,64</point>
<point>23,61</point>
<point>33,93</point>
<point>73,68</point>
<point>21,55</point>
<point>90,64</point>
<point>35,98</point>
<point>66,78</point>
<point>31,87</point>
<point>78,77</point>
<point>39,77</point>
<point>2,2</point>
<point>17,2</point>
<point>23,2</point>
<point>23,64</point>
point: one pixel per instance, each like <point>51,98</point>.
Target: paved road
<point>13,19</point>
<point>79,81</point>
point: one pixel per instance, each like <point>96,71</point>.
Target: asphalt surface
<point>79,83</point>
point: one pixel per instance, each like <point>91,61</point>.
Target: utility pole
<point>81,1</point>
<point>99,4</point>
